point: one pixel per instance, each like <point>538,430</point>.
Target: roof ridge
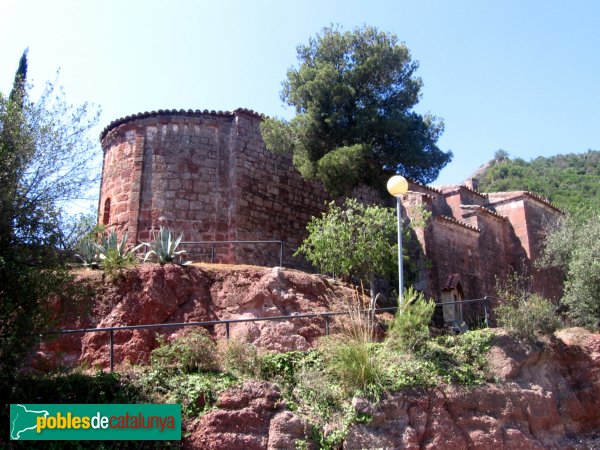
<point>481,194</point>
<point>543,200</point>
<point>426,186</point>
<point>177,112</point>
<point>485,209</point>
<point>532,195</point>
<point>459,222</point>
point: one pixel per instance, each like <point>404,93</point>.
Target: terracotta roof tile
<point>484,210</point>
<point>176,112</point>
<point>458,222</point>
<point>424,186</point>
<point>515,195</point>
<point>451,282</point>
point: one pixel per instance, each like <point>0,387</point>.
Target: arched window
<point>106,216</point>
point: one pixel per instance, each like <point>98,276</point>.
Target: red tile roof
<point>177,112</point>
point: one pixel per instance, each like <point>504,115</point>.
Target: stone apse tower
<point>209,176</point>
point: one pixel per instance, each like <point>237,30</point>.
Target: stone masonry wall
<point>120,187</point>
<point>453,248</point>
<point>274,202</point>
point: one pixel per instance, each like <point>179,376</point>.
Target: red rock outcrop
<point>545,398</point>
<point>153,294</point>
<point>249,417</point>
<point>542,398</point>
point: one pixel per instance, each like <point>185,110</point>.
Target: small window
<point>106,216</point>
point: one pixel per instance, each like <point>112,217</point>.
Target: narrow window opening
<point>106,216</point>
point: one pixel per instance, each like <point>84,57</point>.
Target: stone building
<point>474,240</point>
<point>208,175</point>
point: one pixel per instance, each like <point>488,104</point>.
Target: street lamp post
<point>398,186</point>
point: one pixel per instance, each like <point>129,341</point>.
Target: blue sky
<point>517,75</point>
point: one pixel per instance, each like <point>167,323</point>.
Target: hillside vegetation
<point>569,181</point>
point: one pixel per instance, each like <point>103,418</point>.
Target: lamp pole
<point>400,260</point>
<point>398,186</point>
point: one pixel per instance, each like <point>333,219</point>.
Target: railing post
<point>326,325</point>
<point>212,253</point>
<point>112,345</point>
<point>486,312</point>
<point>280,253</point>
<point>227,330</point>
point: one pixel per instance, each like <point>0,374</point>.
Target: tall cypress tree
<point>13,153</point>
<point>17,94</point>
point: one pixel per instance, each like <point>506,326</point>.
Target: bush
<point>239,358</point>
<point>410,328</point>
<point>193,352</point>
<point>196,392</point>
<point>528,317</point>
<point>573,246</point>
<point>356,240</point>
<point>459,359</point>
<point>76,388</point>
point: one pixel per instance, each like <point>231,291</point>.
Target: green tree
<point>570,181</point>
<point>45,160</point>
<point>354,94</point>
<point>357,240</point>
<point>574,246</point>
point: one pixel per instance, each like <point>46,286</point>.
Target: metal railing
<point>486,306</point>
<point>213,245</point>
<point>325,315</point>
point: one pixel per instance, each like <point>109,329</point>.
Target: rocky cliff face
<point>544,398</point>
<point>153,294</point>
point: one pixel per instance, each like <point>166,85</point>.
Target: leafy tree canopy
<point>46,159</point>
<point>574,245</point>
<point>357,240</point>
<point>354,94</point>
<point>570,181</point>
<point>360,240</point>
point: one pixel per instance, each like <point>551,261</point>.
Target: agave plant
<point>114,254</point>
<point>88,253</point>
<point>164,247</point>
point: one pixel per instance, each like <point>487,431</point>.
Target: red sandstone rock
<point>546,397</point>
<point>153,294</point>
<point>246,416</point>
<point>550,401</point>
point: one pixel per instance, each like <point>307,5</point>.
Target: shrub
<point>356,240</point>
<point>410,328</point>
<point>192,352</point>
<point>573,246</point>
<point>239,358</point>
<point>354,365</point>
<point>459,358</point>
<point>195,392</point>
<point>524,315</point>
<point>528,317</point>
